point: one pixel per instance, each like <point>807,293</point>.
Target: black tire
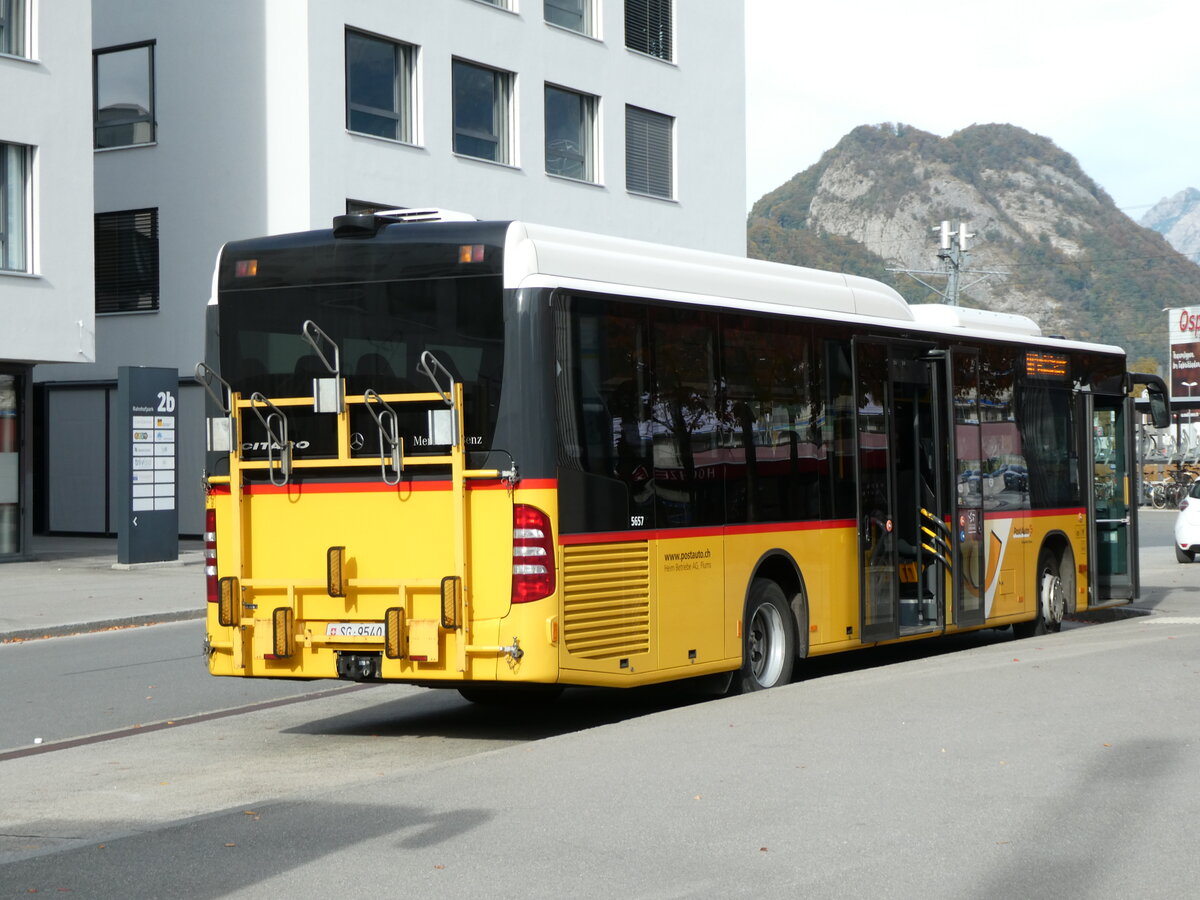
<point>1184,556</point>
<point>1158,497</point>
<point>768,639</point>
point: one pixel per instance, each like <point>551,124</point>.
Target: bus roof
<point>533,250</point>
<point>546,256</point>
<point>541,255</point>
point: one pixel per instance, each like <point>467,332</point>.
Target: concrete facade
<point>251,138</point>
<point>46,285</point>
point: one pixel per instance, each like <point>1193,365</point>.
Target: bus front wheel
<point>1052,598</point>
<point>768,638</point>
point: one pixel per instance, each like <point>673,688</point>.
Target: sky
<point>1115,83</point>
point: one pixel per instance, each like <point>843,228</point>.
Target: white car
<point>1187,526</point>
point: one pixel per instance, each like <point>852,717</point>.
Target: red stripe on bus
<point>788,526</point>
<point>377,487</point>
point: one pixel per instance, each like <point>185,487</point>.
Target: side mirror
<point>1156,394</point>
<point>1160,410</point>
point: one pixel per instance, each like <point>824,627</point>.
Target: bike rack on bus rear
<point>281,465</point>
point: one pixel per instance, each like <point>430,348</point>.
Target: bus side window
<point>604,450</point>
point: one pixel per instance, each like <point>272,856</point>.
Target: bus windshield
<point>381,330</point>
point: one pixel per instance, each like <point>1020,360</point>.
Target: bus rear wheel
<point>768,639</point>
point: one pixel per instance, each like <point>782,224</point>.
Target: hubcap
<point>1054,602</point>
<point>766,645</point>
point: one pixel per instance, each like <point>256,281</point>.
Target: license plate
<point>354,629</point>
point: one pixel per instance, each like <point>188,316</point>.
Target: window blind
<point>127,261</point>
<point>648,158</point>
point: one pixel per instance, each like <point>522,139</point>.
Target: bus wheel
<point>1052,601</point>
<point>1052,590</point>
<point>768,638</point>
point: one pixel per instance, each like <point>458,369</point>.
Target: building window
<point>573,14</point>
<point>127,261</point>
<point>380,75</point>
<point>648,27</point>
<point>123,85</point>
<point>12,388</point>
<point>570,134</point>
<point>14,191</point>
<point>502,4</point>
<point>482,112</point>
<point>649,162</point>
<point>12,28</point>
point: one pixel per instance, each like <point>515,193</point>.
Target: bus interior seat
<point>306,369</point>
<point>373,371</point>
<point>252,376</point>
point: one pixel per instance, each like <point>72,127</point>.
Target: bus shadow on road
<point>442,713</point>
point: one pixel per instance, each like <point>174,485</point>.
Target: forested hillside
<point>1066,256</point>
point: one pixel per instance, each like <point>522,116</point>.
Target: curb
<point>49,631</point>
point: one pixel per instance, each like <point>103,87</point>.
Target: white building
<point>236,118</point>
<point>46,296</point>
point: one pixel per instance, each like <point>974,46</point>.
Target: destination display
<point>1046,365</point>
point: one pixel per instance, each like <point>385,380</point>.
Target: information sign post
<point>147,494</point>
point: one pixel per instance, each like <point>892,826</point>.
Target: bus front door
<point>1113,536</point>
<point>903,542</point>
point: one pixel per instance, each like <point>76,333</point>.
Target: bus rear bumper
<point>424,653</point>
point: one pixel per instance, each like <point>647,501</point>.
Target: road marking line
<point>1172,620</point>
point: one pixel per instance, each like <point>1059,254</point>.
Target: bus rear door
<point>903,543</point>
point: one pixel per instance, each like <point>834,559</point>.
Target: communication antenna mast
<point>952,251</point>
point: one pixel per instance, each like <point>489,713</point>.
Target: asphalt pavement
<point>1061,766</point>
<point>75,584</point>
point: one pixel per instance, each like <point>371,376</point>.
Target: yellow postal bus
<point>491,454</point>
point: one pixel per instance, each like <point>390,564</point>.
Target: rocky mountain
<point>1064,254</point>
<point>1177,219</point>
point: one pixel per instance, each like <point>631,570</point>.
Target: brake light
<point>210,555</point>
<point>533,555</point>
<point>1182,505</point>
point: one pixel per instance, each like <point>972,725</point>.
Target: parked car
<point>1016,478</point>
<point>1009,477</point>
<point>1187,526</point>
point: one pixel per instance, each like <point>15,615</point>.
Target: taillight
<point>1183,505</point>
<point>533,555</point>
<point>210,555</point>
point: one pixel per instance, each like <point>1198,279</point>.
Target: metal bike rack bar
<point>328,393</point>
<point>385,421</point>
<point>276,425</point>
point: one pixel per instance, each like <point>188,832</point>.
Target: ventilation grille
<point>431,214</point>
<point>606,600</point>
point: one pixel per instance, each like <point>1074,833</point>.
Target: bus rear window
<point>381,330</point>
